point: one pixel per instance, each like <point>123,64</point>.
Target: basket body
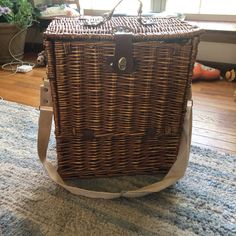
<point>115,124</point>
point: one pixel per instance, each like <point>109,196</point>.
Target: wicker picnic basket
<point>120,87</point>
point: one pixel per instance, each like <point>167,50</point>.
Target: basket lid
<point>151,28</point>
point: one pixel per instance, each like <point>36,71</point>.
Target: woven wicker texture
<point>109,124</point>
<point>162,28</point>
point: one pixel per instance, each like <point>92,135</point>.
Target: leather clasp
<point>123,61</point>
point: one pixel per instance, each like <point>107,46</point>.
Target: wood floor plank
<point>213,120</point>
<point>214,105</point>
<point>213,134</point>
<point>205,108</point>
<point>214,143</point>
<point>22,88</point>
<point>214,127</point>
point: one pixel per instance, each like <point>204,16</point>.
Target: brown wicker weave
<point>111,124</point>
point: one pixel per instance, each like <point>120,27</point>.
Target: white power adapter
<point>24,68</point>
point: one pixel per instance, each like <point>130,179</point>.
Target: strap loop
<point>175,173</point>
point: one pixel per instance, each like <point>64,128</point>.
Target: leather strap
<point>175,173</point>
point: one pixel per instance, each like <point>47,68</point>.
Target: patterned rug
<point>202,203</point>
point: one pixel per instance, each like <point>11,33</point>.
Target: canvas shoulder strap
<point>175,173</point>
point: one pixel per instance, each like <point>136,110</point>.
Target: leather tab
<point>151,132</point>
<point>45,95</point>
<point>88,135</point>
<point>123,61</point>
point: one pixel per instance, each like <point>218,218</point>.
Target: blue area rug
<point>202,203</point>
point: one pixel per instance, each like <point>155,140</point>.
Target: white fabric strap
<point>175,173</point>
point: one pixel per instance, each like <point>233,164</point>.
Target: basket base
<point>123,156</point>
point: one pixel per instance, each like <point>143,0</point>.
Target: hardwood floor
<point>214,124</point>
<point>21,88</point>
<point>214,117</point>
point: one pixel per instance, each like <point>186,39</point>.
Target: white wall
<point>217,52</point>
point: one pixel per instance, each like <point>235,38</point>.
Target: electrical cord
<point>15,63</point>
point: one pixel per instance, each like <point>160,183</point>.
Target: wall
<point>217,52</point>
